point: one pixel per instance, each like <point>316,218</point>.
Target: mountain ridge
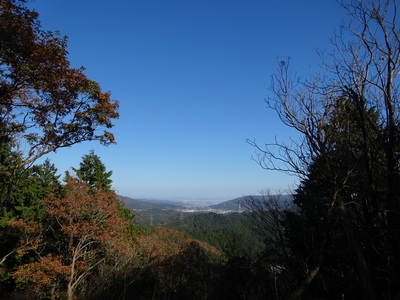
<point>236,204</point>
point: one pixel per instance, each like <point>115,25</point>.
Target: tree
<point>23,220</point>
<point>347,120</point>
<point>333,212</point>
<point>268,213</point>
<point>9,169</point>
<point>44,103</point>
<point>93,172</point>
<point>88,230</point>
<point>45,275</point>
<point>179,267</point>
<point>34,186</point>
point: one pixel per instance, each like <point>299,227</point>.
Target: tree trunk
<point>70,291</point>
<point>311,275</point>
<point>364,273</point>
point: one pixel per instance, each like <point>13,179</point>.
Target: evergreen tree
<point>93,172</point>
<point>35,184</point>
<point>339,208</point>
<point>9,170</point>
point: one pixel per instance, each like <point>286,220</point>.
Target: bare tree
<point>266,217</point>
<point>267,214</point>
<point>362,70</point>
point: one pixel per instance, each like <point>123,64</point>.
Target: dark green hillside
<point>230,233</point>
<point>155,216</point>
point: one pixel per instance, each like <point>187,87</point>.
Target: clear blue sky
<point>191,77</point>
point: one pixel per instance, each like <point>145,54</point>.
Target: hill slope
<point>230,233</point>
<point>136,204</point>
<point>241,203</point>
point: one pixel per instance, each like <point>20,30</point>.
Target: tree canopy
<point>93,172</point>
<point>44,103</point>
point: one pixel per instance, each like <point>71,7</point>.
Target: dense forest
<point>70,237</point>
<point>232,234</point>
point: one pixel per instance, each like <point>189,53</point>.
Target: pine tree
<point>35,184</point>
<point>93,172</point>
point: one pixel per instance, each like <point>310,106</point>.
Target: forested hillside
<point>232,234</point>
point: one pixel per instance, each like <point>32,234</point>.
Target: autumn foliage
<point>90,245</point>
<point>44,103</point>
<point>43,275</point>
<point>87,228</point>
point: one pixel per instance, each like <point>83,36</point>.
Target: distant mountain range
<point>241,203</point>
<point>163,212</point>
<point>141,204</point>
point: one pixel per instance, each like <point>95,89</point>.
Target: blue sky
<point>191,77</point>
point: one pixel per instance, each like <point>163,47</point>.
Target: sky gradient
<point>191,77</point>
